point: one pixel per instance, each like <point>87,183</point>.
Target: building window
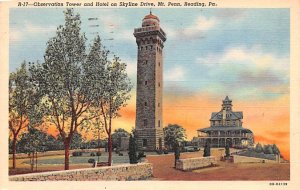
<point>145,103</point>
<point>151,47</point>
<point>146,47</point>
<point>145,122</point>
<point>146,62</point>
<point>158,104</point>
<point>141,48</point>
<point>146,82</point>
<point>159,64</point>
<point>158,123</point>
<point>233,123</point>
<point>144,142</point>
<point>213,123</point>
<point>158,84</point>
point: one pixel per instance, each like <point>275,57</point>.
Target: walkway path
<point>163,169</point>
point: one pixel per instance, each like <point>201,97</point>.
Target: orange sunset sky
<point>208,54</point>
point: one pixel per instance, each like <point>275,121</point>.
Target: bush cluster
<point>77,154</point>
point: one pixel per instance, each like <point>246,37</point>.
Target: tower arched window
<point>146,82</point>
<point>145,103</point>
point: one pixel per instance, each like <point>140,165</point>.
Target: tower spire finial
<point>151,11</point>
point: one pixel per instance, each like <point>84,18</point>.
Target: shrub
<point>159,151</point>
<point>206,149</point>
<point>259,148</point>
<point>98,153</point>
<point>92,154</point>
<point>141,155</point>
<point>91,160</point>
<point>77,154</point>
<point>166,152</point>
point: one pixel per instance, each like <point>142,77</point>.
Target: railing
<point>228,135</point>
<point>149,28</point>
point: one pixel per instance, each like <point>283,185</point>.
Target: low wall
<point>246,159</point>
<point>195,163</point>
<point>140,171</point>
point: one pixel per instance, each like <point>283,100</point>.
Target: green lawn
<point>59,160</point>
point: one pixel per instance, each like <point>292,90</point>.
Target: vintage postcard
<point>168,94</point>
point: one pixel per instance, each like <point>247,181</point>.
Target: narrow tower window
<point>146,82</point>
<point>158,104</point>
<point>158,123</point>
<point>145,103</point>
<point>158,84</point>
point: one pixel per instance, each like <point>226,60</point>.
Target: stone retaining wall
<point>246,159</point>
<point>195,163</point>
<point>140,171</point>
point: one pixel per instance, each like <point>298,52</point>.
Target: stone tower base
<point>150,139</point>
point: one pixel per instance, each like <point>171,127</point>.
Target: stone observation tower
<point>150,40</point>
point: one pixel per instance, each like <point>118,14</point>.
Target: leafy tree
<point>22,104</point>
<point>132,150</point>
<point>174,134</point>
<point>110,86</point>
<point>258,148</point>
<point>268,149</point>
<point>61,80</point>
<point>32,142</point>
<point>116,136</point>
<point>53,143</point>
<point>206,149</point>
<point>275,149</point>
<point>227,150</point>
<point>77,141</point>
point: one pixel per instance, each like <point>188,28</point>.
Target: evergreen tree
<point>132,150</point>
<point>258,148</point>
<point>206,149</point>
<point>227,150</point>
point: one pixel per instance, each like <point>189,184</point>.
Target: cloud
<point>175,74</point>
<point>200,25</point>
<point>248,71</point>
<point>195,30</point>
<point>22,31</point>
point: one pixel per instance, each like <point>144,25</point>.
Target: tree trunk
<point>67,153</point>
<point>109,149</point>
<point>14,149</point>
<point>32,163</point>
<point>36,161</point>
